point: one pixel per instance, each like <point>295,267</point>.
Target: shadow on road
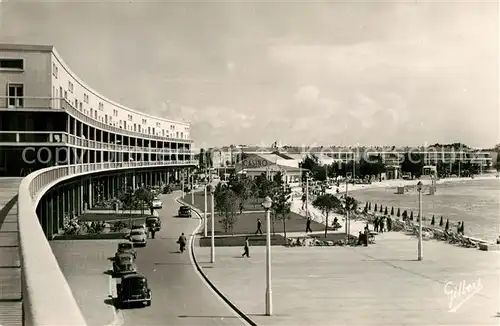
<point>170,264</point>
<point>222,317</point>
<point>110,302</point>
<point>382,260</point>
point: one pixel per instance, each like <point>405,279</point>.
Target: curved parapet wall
<point>47,297</point>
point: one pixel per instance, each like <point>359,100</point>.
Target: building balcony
<point>50,138</point>
<point>50,104</point>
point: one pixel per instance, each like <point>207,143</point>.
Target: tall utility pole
<point>307,195</point>
<point>346,211</point>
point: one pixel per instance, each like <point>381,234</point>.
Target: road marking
<point>193,264</point>
<point>117,315</point>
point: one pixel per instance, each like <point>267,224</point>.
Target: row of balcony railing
<point>24,102</point>
<point>64,138</point>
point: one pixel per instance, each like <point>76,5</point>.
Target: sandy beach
<point>358,225</point>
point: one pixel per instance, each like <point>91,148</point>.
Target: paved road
<point>180,297</point>
<point>84,263</point>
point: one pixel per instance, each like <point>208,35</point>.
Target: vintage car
<point>153,222</point>
<point>184,211</point>
<point>138,237</point>
<point>157,203</point>
<point>133,288</point>
<point>126,246</point>
<point>124,263</point>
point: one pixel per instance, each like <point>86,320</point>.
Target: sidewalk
<point>377,285</point>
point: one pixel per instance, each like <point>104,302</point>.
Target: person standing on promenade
<point>375,224</point>
<point>259,226</point>
<point>381,225</point>
<point>308,225</point>
<point>459,228</point>
<point>389,224</point>
<point>246,249</point>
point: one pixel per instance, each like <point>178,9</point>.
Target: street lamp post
<point>212,218</point>
<point>307,195</point>
<point>269,293</point>
<point>347,224</point>
<point>192,189</point>
<point>420,247</point>
<point>205,212</point>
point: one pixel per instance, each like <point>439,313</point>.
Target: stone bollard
<point>85,207</point>
<point>116,208</point>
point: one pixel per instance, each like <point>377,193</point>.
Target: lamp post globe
<point>267,203</point>
<point>419,186</point>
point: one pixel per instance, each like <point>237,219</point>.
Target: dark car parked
<point>153,222</point>
<point>184,211</point>
<point>124,264</point>
<point>134,289</point>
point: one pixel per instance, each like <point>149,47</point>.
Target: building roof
<point>273,168</point>
<point>26,47</point>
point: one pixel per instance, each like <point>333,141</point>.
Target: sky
<point>305,73</point>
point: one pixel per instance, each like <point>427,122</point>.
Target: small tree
<point>144,197</point>
<point>226,203</point>
<point>392,211</point>
<point>411,216</point>
<point>369,206</point>
<point>381,209</point>
<point>281,206</point>
<point>399,212</point>
<point>441,221</point>
<point>376,208</point>
<point>366,208</point>
<point>129,202</point>
<point>386,212</point>
<point>326,204</point>
<point>433,221</point>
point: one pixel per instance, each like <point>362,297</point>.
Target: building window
<point>66,94</point>
<point>54,70</point>
<point>81,106</point>
<point>12,64</point>
<point>85,98</point>
<point>16,95</point>
<point>95,115</point>
<point>70,87</point>
<point>101,106</point>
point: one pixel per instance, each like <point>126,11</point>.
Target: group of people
<point>382,224</point>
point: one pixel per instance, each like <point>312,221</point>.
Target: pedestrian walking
<point>381,225</point>
<point>308,225</point>
<point>259,227</point>
<point>153,231</point>
<point>375,224</point>
<point>241,208</point>
<point>246,249</point>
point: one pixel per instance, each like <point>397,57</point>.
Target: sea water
<point>476,202</point>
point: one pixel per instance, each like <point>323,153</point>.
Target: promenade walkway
<point>10,263</point>
<point>381,284</point>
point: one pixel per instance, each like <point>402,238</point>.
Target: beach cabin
<point>429,171</point>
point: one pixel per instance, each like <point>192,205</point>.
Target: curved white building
<point>73,148</point>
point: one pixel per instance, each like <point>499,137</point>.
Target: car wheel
<point>148,303</point>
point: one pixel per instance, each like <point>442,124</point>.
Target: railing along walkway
<point>10,263</point>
